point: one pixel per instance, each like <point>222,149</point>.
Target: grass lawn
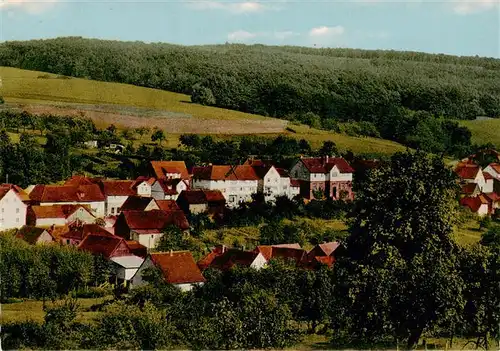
<point>132,106</point>
<point>468,233</point>
<point>33,309</point>
<point>484,131</point>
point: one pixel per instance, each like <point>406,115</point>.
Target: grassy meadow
<point>484,131</point>
<point>129,106</point>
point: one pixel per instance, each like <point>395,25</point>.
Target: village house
<point>274,181</point>
<point>146,227</point>
<point>58,215</point>
<point>169,170</point>
<point>144,186</point>
<point>329,176</point>
<point>287,252</point>
<point>138,203</point>
<point>494,170</point>
<point>178,268</point>
<point>13,207</point>
<point>202,201</point>
<point>168,189</point>
<point>106,245</point>
<point>236,183</point>
<point>116,193</point>
<point>478,204</point>
<point>125,267</point>
<point>34,235</point>
<point>79,231</point>
<point>224,259</point>
<point>471,173</point>
<point>91,195</point>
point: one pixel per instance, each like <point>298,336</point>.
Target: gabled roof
<point>100,244</point>
<point>325,164</point>
<point>495,166</point>
<point>136,203</point>
<point>493,197</point>
<point>167,205</point>
<point>225,173</point>
<point>470,188</point>
<point>283,172</point>
<point>468,171</point>
<point>131,261</point>
<point>267,250</point>
<point>141,179</point>
<point>232,257</point>
<point>136,248</point>
<point>199,196</point>
<point>161,168</point>
<point>262,171</point>
<point>178,267</point>
<point>474,203</point>
<point>57,211</point>
<point>118,187</point>
<point>155,219</point>
<point>327,248</point>
<point>31,234</point>
<point>77,180</point>
<point>295,183</point>
<point>169,186</point>
<point>286,253</point>
<point>66,193</point>
<point>5,188</point>
<point>487,176</point>
<point>81,232</point>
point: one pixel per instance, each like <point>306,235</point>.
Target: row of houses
<point>480,188</point>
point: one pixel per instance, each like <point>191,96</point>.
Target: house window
<point>335,174</point>
<point>17,220</point>
<point>112,210</point>
<point>334,193</point>
<point>67,241</point>
<point>17,210</point>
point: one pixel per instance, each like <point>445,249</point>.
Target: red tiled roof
<point>225,173</point>
<point>283,172</point>
<point>100,244</point>
<point>467,171</point>
<point>268,250</point>
<point>161,168</point>
<point>328,248</point>
<point>294,183</point>
<point>232,257</point>
<point>118,187</point>
<point>81,232</point>
<point>57,211</point>
<point>494,197</point>
<point>261,171</point>
<point>178,267</point>
<point>155,219</point>
<point>474,203</point>
<point>202,196</point>
<point>136,203</point>
<point>323,165</point>
<point>495,166</point>
<point>167,205</point>
<point>136,248</point>
<point>77,180</point>
<point>140,179</point>
<point>57,193</point>
<point>469,188</point>
<point>30,234</point>
<point>487,176</point>
<point>169,186</point>
<point>4,189</point>
<point>206,261</point>
<point>286,253</point>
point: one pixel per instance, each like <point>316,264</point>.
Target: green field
<point>484,131</point>
<point>132,106</point>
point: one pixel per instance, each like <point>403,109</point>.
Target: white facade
<point>113,204</point>
<point>488,186</point>
<point>300,171</point>
<point>483,210</point>
<point>272,185</point>
<point>158,193</point>
<point>126,266</point>
<point>234,191</point>
<point>97,207</point>
<point>47,222</point>
<point>144,189</point>
<point>148,240</point>
<point>336,176</point>
<point>12,211</point>
<point>259,262</point>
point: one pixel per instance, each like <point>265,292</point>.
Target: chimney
<point>326,159</point>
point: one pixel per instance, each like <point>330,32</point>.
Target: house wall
<point>259,262</point>
<point>188,286</point>
<point>483,210</point>
<point>272,185</point>
<point>234,191</point>
<point>148,240</point>
<point>83,215</point>
<point>124,273</point>
<point>12,211</point>
<point>198,208</point>
<point>492,171</point>
<point>293,191</point>
<point>47,222</point>
<point>137,278</point>
<point>488,186</point>
<point>336,176</point>
<point>144,189</point>
<point>157,192</point>
<point>113,204</point>
<point>45,238</point>
<point>97,207</point>
<point>480,180</point>
<point>151,206</point>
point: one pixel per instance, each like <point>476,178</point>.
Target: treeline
<point>47,271</point>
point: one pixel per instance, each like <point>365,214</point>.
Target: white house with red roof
<point>471,173</point>
<point>168,189</point>
<point>494,170</point>
<point>479,205</point>
<point>13,207</point>
<point>58,215</point>
<point>332,176</point>
<point>237,183</point>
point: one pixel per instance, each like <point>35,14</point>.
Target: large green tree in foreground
<point>399,277</point>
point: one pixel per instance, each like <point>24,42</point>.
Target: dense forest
<point>402,96</point>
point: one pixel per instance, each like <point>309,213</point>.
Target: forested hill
<point>384,88</point>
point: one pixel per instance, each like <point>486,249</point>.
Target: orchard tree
<point>158,135</point>
<point>399,276</point>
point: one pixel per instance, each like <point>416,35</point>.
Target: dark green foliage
<point>202,95</point>
<point>400,275</point>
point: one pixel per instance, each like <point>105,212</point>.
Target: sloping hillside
<point>131,106</point>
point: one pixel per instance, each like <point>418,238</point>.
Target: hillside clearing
<point>129,106</point>
<point>484,131</point>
